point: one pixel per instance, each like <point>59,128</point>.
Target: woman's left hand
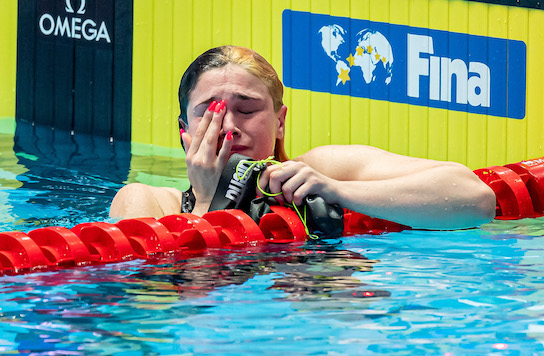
<point>296,180</point>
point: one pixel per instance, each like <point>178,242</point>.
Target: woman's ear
<point>182,128</point>
<point>281,116</point>
<point>182,124</point>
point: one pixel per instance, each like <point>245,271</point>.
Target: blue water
<point>477,291</point>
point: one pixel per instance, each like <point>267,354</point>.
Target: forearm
<point>201,208</point>
<point>438,198</point>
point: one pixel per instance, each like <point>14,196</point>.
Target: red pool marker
<point>147,236</point>
<point>513,198</point>
<point>357,223</point>
<point>519,189</point>
<point>19,253</point>
<point>106,242</point>
<point>282,226</point>
<point>61,246</point>
<point>532,174</point>
<point>191,232</point>
<point>237,228</point>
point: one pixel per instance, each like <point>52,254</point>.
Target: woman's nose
<point>229,123</point>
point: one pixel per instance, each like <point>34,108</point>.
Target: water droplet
<point>500,346</point>
<point>446,199</point>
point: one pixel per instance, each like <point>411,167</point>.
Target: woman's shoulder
<point>339,153</point>
<point>142,200</point>
<point>342,162</point>
<point>333,149</point>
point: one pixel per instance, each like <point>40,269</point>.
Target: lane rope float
<point>519,189</point>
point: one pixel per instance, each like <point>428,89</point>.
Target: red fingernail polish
<point>181,131</point>
<point>212,105</point>
<point>220,106</point>
<point>229,135</point>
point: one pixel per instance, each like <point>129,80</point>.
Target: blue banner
<point>403,64</point>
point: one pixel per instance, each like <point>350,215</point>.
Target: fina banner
<point>404,64</point>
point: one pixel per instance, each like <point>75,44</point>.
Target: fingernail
<point>229,136</point>
<point>181,131</point>
<point>212,105</point>
<point>220,106</point>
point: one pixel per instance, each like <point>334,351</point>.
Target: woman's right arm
<point>204,168</point>
<point>204,162</point>
<point>138,200</point>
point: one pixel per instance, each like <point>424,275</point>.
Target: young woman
<point>231,102</point>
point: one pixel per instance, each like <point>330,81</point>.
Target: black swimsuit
<point>188,201</point>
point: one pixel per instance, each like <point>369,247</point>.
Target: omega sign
<point>72,26</point>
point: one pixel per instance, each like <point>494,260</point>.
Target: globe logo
<point>372,50</point>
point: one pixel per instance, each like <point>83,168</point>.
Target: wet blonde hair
<point>250,60</point>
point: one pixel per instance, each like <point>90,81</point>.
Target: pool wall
<point>8,43</point>
<point>324,109</point>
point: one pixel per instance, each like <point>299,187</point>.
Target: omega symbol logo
<point>72,26</point>
<point>69,9</point>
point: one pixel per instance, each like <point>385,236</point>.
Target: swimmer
<point>231,102</point>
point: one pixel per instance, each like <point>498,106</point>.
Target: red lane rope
<point>519,189</point>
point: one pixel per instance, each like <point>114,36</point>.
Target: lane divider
<point>95,243</point>
<point>519,189</point>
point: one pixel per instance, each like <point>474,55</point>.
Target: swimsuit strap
<point>188,200</point>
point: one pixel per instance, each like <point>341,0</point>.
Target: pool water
<point>476,291</point>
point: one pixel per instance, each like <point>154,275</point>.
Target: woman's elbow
<point>486,202</point>
<point>477,201</point>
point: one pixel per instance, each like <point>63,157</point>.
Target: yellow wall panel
<point>169,34</point>
<point>398,113</point>
<point>476,123</point>
<point>241,24</point>
<point>142,64</point>
<point>496,127</point>
<point>320,103</point>
<point>379,110</point>
<point>204,27</point>
<point>340,119</point>
<point>163,119</point>
<point>276,57</point>
<point>516,148</point>
<point>316,118</point>
<point>360,121</point>
<point>457,120</point>
<point>535,92</point>
<point>182,53</point>
<point>360,107</point>
<point>300,120</point>
<point>8,56</point>
<point>261,27</point>
<point>437,137</point>
<point>418,115</point>
<point>221,14</point>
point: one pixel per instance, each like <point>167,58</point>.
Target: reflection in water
<point>68,177</point>
<point>93,308</point>
<point>65,179</point>
<point>314,272</point>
